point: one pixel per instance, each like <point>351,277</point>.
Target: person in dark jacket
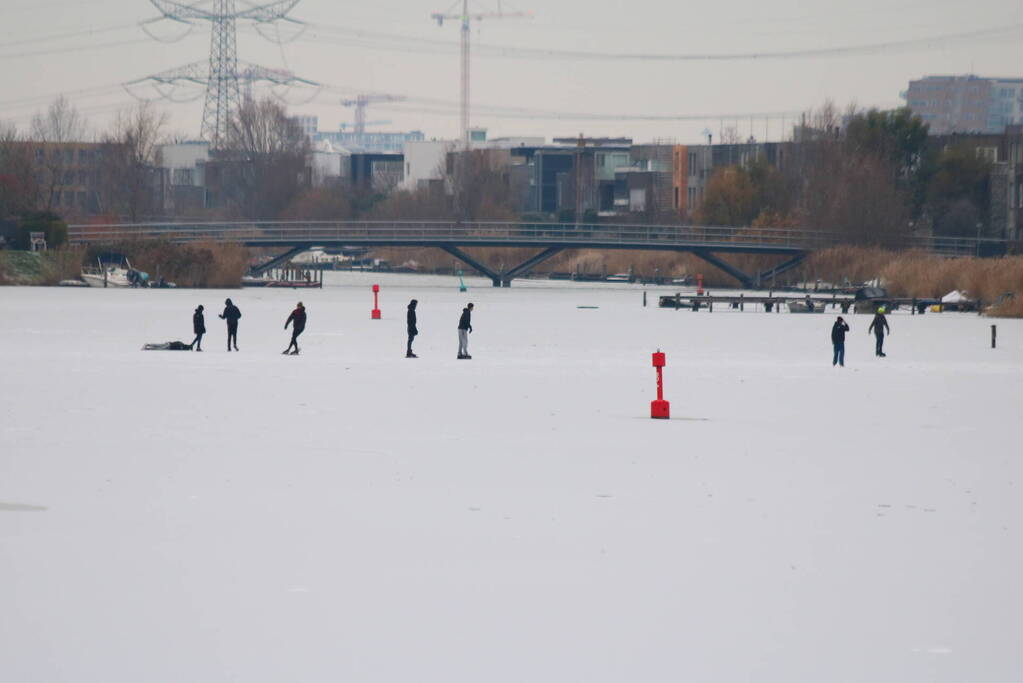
<point>410,319</point>
<point>231,315</point>
<point>298,317</point>
<point>879,325</point>
<point>199,327</point>
<point>838,331</point>
<point>464,328</point>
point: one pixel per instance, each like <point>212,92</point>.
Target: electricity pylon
<point>221,76</point>
<point>465,17</point>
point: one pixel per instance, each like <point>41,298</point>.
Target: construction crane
<point>362,101</point>
<point>465,17</point>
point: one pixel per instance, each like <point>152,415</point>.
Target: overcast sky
<point>87,48</point>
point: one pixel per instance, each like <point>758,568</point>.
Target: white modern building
<point>424,161</point>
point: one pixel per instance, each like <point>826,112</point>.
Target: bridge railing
<point>491,232</point>
<point>310,231</point>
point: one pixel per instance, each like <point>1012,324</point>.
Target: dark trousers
<point>232,336</point>
<point>294,339</point>
<point>879,343</point>
<point>197,342</point>
<point>411,336</point>
<point>839,354</point>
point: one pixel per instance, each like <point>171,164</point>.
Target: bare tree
<point>59,125</point>
<point>130,155</point>
<point>265,163</point>
<point>480,184</point>
<point>18,184</point>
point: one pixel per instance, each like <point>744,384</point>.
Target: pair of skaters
<point>879,326</point>
<point>464,328</point>
<point>232,314</point>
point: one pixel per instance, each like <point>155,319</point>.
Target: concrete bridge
<point>549,239</point>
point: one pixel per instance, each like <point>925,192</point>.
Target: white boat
<point>805,306</point>
<point>619,277</point>
<point>107,275</point>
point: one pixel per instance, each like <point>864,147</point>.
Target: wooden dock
<point>773,302</point>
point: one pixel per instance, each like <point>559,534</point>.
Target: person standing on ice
<point>199,327</point>
<point>410,319</point>
<point>879,325</point>
<point>298,317</point>
<point>231,315</point>
<point>464,328</point>
<point>838,331</point>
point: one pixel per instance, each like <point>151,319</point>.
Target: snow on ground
<point>350,515</point>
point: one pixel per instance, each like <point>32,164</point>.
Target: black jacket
<point>465,322</point>
<point>410,319</point>
<point>198,323</point>
<point>879,325</point>
<point>298,317</point>
<point>231,314</point>
<point>838,331</point>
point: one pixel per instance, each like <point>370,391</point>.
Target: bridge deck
<point>705,242</point>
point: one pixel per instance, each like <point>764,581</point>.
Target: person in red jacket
<point>298,317</point>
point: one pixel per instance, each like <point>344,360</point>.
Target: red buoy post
<point>659,409</point>
<point>376,305</point>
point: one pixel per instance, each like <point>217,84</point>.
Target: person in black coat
<point>410,319</point>
<point>231,314</point>
<point>838,331</point>
<point>879,325</point>
<point>199,327</point>
<point>298,317</point>
<point>464,328</point>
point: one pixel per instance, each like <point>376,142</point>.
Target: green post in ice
<point>461,283</point>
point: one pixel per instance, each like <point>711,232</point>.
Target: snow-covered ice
<point>351,515</point>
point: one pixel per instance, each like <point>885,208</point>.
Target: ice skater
<point>199,327</point>
<point>298,317</point>
<point>464,328</point>
<point>838,331</point>
<point>231,315</point>
<point>410,319</point>
<point>879,325</point>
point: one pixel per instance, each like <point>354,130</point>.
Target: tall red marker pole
<point>659,409</point>
<point>376,307</point>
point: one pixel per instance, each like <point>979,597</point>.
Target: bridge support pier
<point>744,279</point>
<point>494,276</point>
<point>528,265</point>
<point>783,267</point>
<point>503,279</point>
<point>277,260</point>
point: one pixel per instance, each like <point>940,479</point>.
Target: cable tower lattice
<point>221,76</point>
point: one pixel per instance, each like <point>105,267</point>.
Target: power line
<point>67,50</point>
<point>400,43</point>
<point>65,34</point>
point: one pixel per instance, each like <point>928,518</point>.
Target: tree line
<point>871,176</point>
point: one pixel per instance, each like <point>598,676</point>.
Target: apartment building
<point>966,104</point>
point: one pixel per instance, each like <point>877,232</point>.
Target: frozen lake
<point>350,515</point>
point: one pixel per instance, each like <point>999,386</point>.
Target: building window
<point>988,153</point>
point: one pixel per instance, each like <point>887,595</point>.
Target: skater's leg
<point>834,360</point>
